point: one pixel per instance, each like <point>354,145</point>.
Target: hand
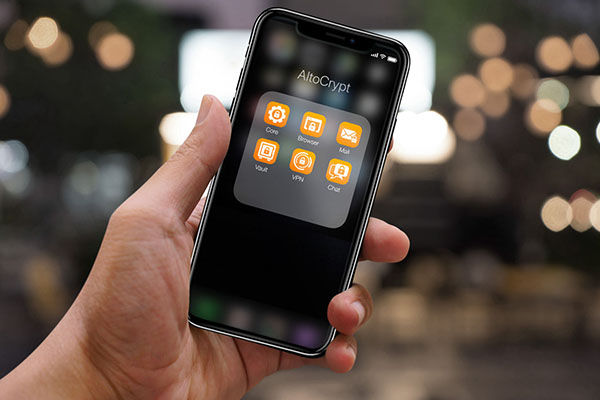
<point>127,336</point>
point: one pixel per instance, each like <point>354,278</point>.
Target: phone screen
<point>285,214</point>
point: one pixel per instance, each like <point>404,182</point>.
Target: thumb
<point>180,182</point>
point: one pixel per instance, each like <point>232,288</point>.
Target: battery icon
<point>392,59</point>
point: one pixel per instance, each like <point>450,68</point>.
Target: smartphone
<point>284,220</point>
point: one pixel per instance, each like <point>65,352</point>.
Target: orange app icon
<point>277,114</point>
<point>349,134</point>
<point>338,171</point>
<point>312,124</point>
<point>266,151</point>
<point>302,161</point>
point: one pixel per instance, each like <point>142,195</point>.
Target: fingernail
<point>204,108</point>
<point>360,310</point>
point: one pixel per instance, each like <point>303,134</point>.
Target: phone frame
<point>389,124</point>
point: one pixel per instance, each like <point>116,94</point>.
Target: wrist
<point>58,369</point>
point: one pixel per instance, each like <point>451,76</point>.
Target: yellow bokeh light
<point>15,37</point>
<point>595,215</point>
<point>98,31</point>
<point>581,204</point>
<point>496,104</point>
<point>115,51</point>
<point>469,124</point>
<point>487,40</point>
<point>43,33</point>
<point>585,53</point>
<point>524,81</point>
<point>496,74</point>
<point>554,54</point>
<point>564,142</point>
<point>542,116</point>
<point>4,101</point>
<point>556,214</point>
<point>467,91</point>
<point>59,52</point>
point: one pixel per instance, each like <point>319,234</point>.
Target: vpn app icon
<point>302,161</point>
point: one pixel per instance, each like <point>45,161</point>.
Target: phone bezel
<point>329,29</point>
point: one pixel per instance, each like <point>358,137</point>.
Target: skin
<point>127,336</point>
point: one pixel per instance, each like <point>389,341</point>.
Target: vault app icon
<point>302,161</point>
<point>338,171</point>
<point>312,124</point>
<point>349,134</point>
<point>266,151</point>
<point>277,114</point>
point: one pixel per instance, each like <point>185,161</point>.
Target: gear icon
<point>277,114</point>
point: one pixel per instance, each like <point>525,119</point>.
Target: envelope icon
<point>349,134</point>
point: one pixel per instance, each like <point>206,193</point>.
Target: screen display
<point>278,239</point>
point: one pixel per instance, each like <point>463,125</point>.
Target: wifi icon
<point>382,56</point>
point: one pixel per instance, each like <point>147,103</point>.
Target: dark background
<point>490,303</point>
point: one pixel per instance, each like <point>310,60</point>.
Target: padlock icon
<point>276,114</point>
<point>312,127</point>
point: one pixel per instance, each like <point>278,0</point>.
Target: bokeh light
<point>422,138</point>
<point>4,101</point>
<point>98,31</point>
<point>15,37</point>
<point>496,74</point>
<point>588,90</point>
<point>174,128</point>
<point>564,142</point>
<point>469,124</point>
<point>487,40</point>
<point>13,156</point>
<point>585,53</point>
<point>556,214</point>
<point>43,33</point>
<point>581,204</point>
<point>542,116</point>
<point>554,90</point>
<point>524,81</point>
<point>115,51</point>
<point>595,215</point>
<point>59,52</point>
<point>467,91</point>
<point>496,104</point>
<point>554,54</point>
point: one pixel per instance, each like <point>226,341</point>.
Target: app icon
<point>277,114</point>
<point>312,124</point>
<point>338,171</point>
<point>349,134</point>
<point>302,161</point>
<point>266,151</point>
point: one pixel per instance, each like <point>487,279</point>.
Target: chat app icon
<point>349,134</point>
<point>302,161</point>
<point>277,114</point>
<point>266,151</point>
<point>338,171</point>
<point>312,124</point>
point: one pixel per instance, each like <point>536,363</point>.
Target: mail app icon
<point>349,134</point>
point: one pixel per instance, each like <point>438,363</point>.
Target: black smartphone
<point>285,217</point>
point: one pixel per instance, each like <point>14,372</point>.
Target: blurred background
<point>495,176</point>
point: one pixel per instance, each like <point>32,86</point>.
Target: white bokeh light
<point>564,142</point>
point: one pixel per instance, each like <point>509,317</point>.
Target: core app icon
<point>302,161</point>
<point>338,171</point>
<point>277,114</point>
<point>312,124</point>
<point>266,151</point>
<point>349,134</point>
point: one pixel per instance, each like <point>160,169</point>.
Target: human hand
<point>127,336</point>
